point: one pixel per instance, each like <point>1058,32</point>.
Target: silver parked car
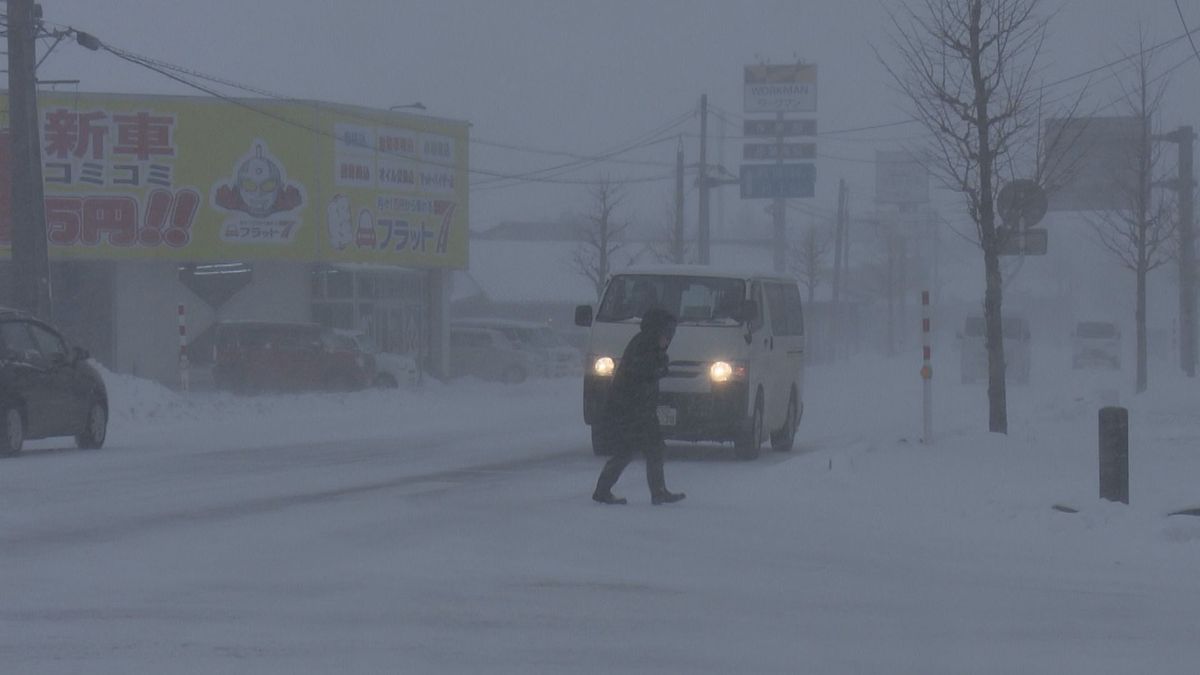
<point>391,370</point>
<point>489,354</point>
<point>552,355</point>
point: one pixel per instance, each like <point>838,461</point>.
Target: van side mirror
<point>80,354</point>
<point>749,311</point>
<point>583,315</point>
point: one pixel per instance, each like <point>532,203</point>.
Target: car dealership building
<point>250,209</point>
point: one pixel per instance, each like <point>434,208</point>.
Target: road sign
<point>773,181</point>
<point>768,151</point>
<point>1093,160</point>
<point>771,128</point>
<point>780,88</point>
<point>1033,241</point>
<point>1021,203</point>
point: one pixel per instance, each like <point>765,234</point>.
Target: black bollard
<point>1114,454</point>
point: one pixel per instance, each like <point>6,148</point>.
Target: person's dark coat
<point>631,411</point>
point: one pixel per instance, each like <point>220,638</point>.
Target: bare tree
<point>601,235</point>
<point>1139,232</point>
<point>808,258</point>
<point>967,68</point>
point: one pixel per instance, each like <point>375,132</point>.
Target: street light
<point>418,105</point>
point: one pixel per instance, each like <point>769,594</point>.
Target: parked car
<point>259,356</point>
<point>1096,343</point>
<point>972,343</point>
<point>391,370</point>
<point>487,353</point>
<point>554,356</point>
<point>47,388</point>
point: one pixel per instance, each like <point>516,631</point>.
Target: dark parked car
<point>46,387</point>
<point>258,356</point>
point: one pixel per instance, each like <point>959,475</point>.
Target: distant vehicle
<point>555,357</point>
<point>972,343</point>
<point>252,357</point>
<point>737,358</point>
<point>391,370</point>
<point>1096,343</point>
<point>489,354</point>
<point>47,388</point>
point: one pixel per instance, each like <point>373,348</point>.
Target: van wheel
<point>747,446</point>
<point>386,381</point>
<point>513,375</point>
<point>783,439</point>
<point>95,428</point>
<point>601,443</point>
<point>12,432</point>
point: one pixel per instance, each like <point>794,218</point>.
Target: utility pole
<point>840,244</point>
<point>30,264</point>
<point>779,206</point>
<point>703,181</point>
<point>677,241</point>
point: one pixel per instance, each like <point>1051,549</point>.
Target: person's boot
<point>606,497</point>
<point>665,496</point>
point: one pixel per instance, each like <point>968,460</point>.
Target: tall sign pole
<point>703,181</point>
<point>30,265</point>
<point>783,90</point>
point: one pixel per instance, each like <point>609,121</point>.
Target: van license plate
<point>666,416</point>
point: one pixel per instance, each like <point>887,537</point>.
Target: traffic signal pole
<point>1184,186</point>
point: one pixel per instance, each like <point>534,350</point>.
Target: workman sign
<point>780,88</point>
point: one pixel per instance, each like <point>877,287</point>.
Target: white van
<point>972,344</point>
<point>737,359</point>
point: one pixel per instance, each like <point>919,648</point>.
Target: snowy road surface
<point>449,530</point>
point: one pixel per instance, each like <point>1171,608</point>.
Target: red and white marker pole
<point>183,355</point>
<point>926,370</point>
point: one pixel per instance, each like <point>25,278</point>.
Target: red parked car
<point>252,357</point>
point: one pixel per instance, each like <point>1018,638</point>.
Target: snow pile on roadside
<point>142,410</point>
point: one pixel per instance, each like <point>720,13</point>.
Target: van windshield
<point>1014,328</point>
<point>692,299</point>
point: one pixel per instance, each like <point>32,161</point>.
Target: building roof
<point>530,231</point>
<point>544,271</point>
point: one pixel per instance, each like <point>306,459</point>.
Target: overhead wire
<point>179,75</point>
<point>580,160</point>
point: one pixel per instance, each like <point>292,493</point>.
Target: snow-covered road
<point>449,530</point>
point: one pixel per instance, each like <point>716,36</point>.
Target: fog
<point>439,521</point>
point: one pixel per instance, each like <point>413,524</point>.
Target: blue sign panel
<point>775,181</point>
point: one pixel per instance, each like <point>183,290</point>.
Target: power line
<point>495,175</point>
<point>1186,31</point>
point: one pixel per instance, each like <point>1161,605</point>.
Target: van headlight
<point>604,366</point>
<point>724,371</point>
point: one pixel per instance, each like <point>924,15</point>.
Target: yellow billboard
<point>205,179</point>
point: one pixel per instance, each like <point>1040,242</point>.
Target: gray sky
<point>581,77</point>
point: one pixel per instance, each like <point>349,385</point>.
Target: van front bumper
<point>719,414</point>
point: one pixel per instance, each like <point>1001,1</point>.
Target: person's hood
<point>658,322</point>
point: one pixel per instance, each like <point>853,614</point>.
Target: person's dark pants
<point>623,449</point>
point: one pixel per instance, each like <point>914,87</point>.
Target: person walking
<point>630,420</point>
